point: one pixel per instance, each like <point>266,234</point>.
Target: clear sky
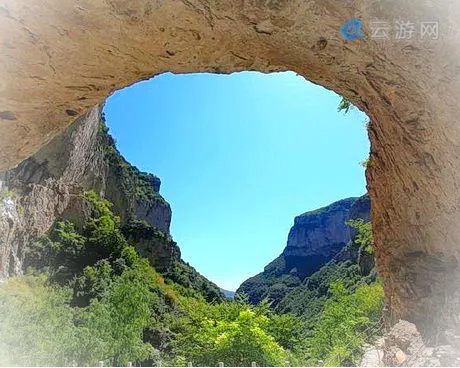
<point>239,157</point>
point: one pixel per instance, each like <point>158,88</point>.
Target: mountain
<point>317,240</point>
<point>48,187</point>
<point>228,293</point>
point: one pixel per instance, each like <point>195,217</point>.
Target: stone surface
<point>10,223</point>
<point>316,238</point>
<point>61,57</point>
<point>373,355</point>
<point>404,346</point>
<point>372,358</point>
<point>47,187</point>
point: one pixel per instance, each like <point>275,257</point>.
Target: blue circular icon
<point>352,30</point>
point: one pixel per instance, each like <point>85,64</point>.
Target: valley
<point>91,271</point>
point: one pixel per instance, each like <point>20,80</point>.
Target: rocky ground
<point>403,346</point>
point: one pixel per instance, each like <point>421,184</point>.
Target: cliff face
<point>47,187</point>
<point>316,238</point>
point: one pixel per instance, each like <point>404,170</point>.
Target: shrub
<point>346,324</point>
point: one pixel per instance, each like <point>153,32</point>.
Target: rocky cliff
<point>48,187</point>
<point>316,238</point>
<point>318,235</point>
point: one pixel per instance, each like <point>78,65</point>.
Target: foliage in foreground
<point>90,296</point>
<point>347,323</point>
<point>237,334</point>
<point>39,326</point>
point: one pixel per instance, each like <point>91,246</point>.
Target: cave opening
<point>409,88</point>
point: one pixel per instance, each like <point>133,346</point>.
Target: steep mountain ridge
<point>317,238</point>
<point>48,187</point>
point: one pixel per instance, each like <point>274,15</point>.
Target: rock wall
<point>404,346</point>
<point>11,225</point>
<point>59,58</point>
<point>47,187</point>
<point>317,236</point>
<point>314,240</point>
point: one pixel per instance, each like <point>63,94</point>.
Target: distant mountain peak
<point>315,239</point>
<point>228,293</point>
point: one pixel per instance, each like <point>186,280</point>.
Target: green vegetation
<point>364,236</point>
<point>235,333</point>
<point>344,105</point>
<point>365,163</point>
<point>327,297</point>
<point>346,324</point>
<point>88,295</point>
<point>135,183</point>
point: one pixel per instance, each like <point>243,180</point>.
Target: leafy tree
<point>287,329</point>
<point>65,247</point>
<point>39,326</point>
<point>36,324</point>
<point>95,282</point>
<point>235,333</point>
<point>346,324</point>
<point>115,324</point>
<point>92,297</point>
<point>237,342</point>
<point>364,236</point>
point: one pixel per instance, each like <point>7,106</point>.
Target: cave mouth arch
<point>239,157</point>
<point>59,60</point>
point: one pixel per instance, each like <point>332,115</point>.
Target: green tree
<point>346,324</point>
<point>235,333</point>
<point>115,324</point>
<point>364,236</point>
<point>36,324</point>
<point>237,342</point>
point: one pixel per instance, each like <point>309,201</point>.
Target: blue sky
<point>239,157</point>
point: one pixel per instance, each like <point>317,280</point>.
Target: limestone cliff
<point>47,187</point>
<point>316,238</point>
<point>318,235</point>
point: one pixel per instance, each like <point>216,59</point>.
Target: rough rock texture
<point>373,355</point>
<point>10,223</point>
<point>317,236</point>
<point>48,187</point>
<point>315,239</point>
<point>403,346</point>
<point>60,57</point>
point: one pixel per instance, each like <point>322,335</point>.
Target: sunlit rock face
<point>61,58</point>
<point>317,236</point>
<point>10,226</point>
<point>49,186</point>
